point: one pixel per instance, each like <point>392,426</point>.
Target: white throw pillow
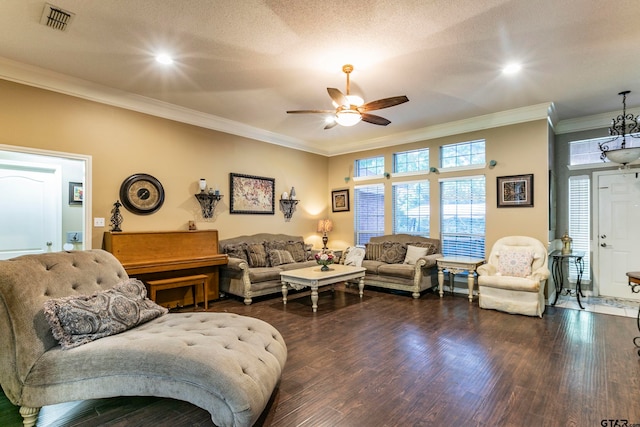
<point>515,263</point>
<point>354,256</point>
<point>414,253</point>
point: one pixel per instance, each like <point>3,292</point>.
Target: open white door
<point>30,208</point>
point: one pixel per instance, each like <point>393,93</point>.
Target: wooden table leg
<point>284,293</point>
<point>441,281</point>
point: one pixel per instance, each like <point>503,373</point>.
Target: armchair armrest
<point>427,261</point>
<point>486,270</point>
<point>540,274</point>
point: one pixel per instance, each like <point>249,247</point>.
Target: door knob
<point>604,236</point>
<point>604,245</point>
<point>49,243</point>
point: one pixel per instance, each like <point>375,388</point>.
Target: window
<point>411,161</point>
<point>411,210</point>
<point>579,222</point>
<point>368,212</point>
<point>369,167</point>
<point>463,154</point>
<point>587,151</point>
<point>462,217</point>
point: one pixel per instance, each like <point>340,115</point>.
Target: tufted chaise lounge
<point>225,363</point>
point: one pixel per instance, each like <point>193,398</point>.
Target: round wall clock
<point>141,194</point>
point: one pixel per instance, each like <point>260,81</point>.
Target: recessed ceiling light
<point>165,59</point>
<point>512,68</point>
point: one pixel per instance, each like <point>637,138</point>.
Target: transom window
<point>411,208</point>
<point>462,154</point>
<point>411,161</point>
<point>587,151</point>
<point>369,167</point>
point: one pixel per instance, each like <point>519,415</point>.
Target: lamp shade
<point>325,225</point>
<point>348,117</point>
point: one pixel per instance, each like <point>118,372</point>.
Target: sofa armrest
<point>236,264</point>
<point>428,261</point>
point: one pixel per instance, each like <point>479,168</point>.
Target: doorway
<point>36,213</point>
<point>617,231</point>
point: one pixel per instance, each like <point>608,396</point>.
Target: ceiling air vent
<point>55,17</point>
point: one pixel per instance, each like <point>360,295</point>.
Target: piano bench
<point>181,282</point>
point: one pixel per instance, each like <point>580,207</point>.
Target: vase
<point>324,267</point>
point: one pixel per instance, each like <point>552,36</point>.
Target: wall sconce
<point>207,199</point>
<point>492,164</point>
<point>347,179</point>
<point>324,226</point>
<point>433,169</point>
<point>288,204</point>
<point>387,175</point>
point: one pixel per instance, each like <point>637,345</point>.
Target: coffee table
<point>314,278</point>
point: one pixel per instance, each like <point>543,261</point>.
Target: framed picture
<point>340,200</point>
<point>251,194</point>
<point>515,191</point>
<point>76,193</point>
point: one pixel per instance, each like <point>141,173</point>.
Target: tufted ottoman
<point>225,363</point>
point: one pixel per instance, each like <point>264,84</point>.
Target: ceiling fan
<point>351,109</point>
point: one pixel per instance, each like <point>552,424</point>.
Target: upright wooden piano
<point>156,255</point>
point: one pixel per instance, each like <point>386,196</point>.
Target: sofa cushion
<point>353,256</point>
<point>431,247</point>
<point>279,257</point>
<point>77,320</point>
<point>372,266</point>
<point>515,263</point>
<point>238,250</point>
<point>279,245</point>
<point>257,255</point>
<point>264,274</point>
<point>297,251</point>
<point>405,271</point>
<point>393,253</point>
<point>414,253</point>
<point>373,251</point>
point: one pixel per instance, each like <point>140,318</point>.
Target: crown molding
<point>44,79</point>
<point>487,121</point>
<point>597,121</point>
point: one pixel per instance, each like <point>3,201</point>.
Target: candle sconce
<point>288,207</point>
<point>208,202</point>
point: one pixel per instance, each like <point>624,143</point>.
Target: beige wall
<point>518,149</point>
<point>123,142</point>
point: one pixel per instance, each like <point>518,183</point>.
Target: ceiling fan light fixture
<point>355,100</point>
<point>348,117</point>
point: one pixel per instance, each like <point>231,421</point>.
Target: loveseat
<point>398,261</point>
<point>255,263</point>
<point>225,363</point>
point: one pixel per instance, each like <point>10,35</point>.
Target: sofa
<point>255,263</point>
<point>222,362</point>
<point>400,262</point>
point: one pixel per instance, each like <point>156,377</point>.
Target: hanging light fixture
<point>623,126</point>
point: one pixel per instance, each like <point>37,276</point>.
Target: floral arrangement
<point>324,259</point>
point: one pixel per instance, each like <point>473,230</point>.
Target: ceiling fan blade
<point>311,111</point>
<point>331,125</point>
<point>383,103</point>
<point>337,96</point>
<point>376,120</point>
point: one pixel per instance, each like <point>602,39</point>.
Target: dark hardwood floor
<point>390,360</point>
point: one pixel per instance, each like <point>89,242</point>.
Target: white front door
<point>30,208</point>
<point>618,236</point>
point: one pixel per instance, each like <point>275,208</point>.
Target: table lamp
<point>325,226</point>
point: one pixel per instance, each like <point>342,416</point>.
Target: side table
<point>455,265</point>
<point>558,274</point>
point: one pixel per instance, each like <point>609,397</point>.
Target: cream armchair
<point>514,278</point>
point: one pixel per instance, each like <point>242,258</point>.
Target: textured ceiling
<point>240,64</point>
